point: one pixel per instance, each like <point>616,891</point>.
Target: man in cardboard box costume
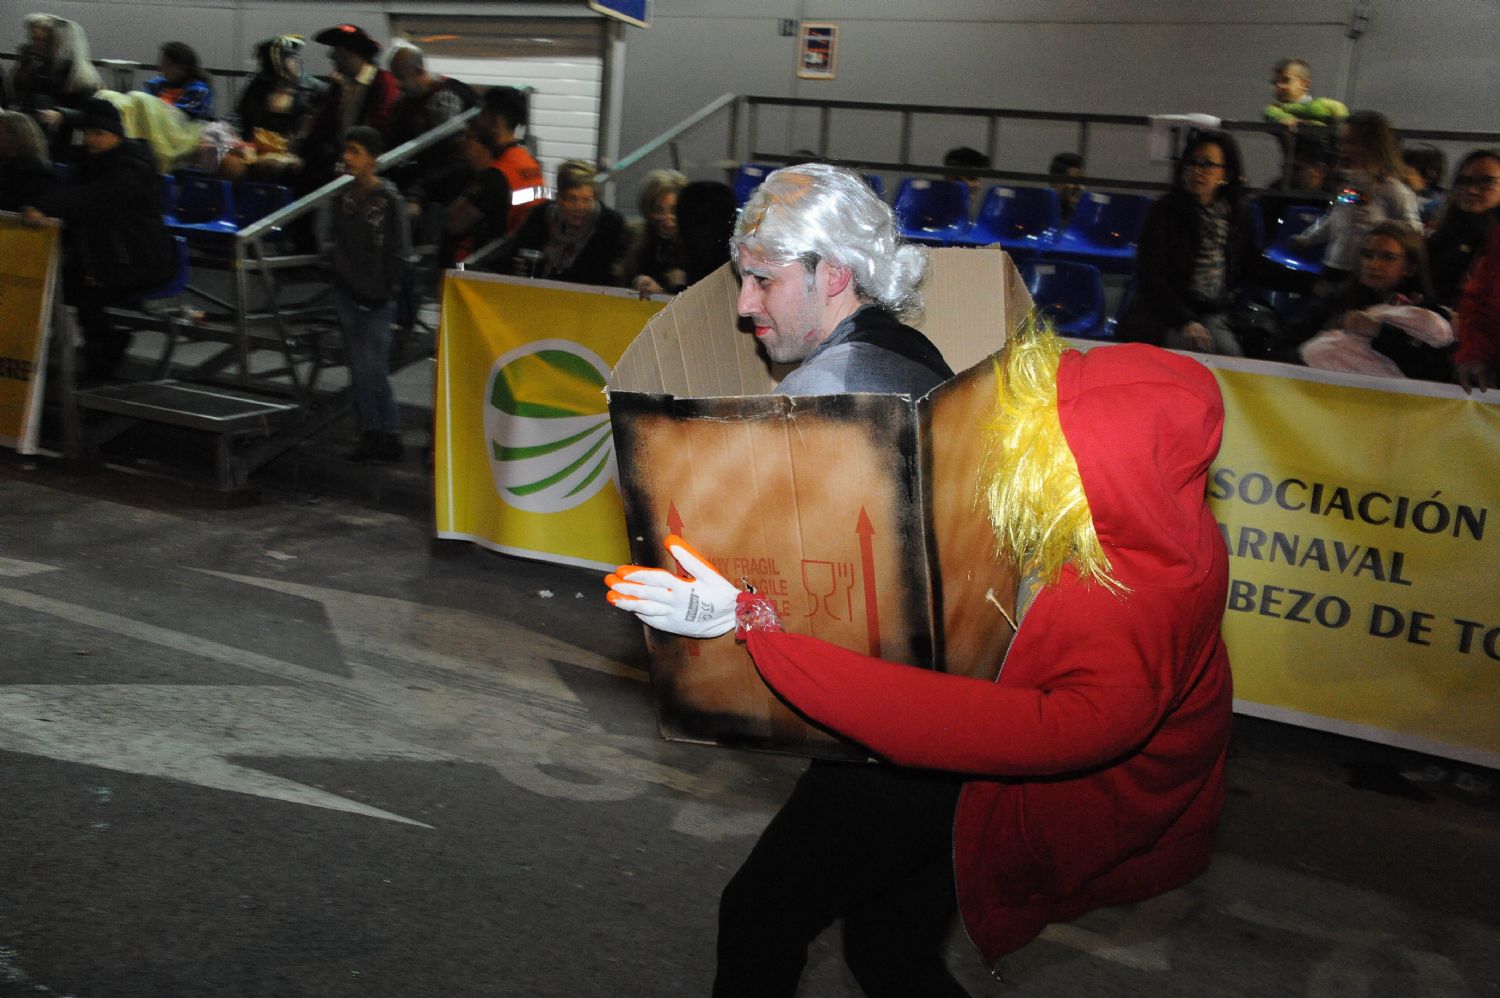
<point>1089,772</point>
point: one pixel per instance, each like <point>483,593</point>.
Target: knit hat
<point>351,37</point>
<point>99,113</point>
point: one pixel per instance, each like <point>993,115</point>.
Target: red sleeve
<point>1479,308</point>
<point>384,91</point>
<point>1101,696</point>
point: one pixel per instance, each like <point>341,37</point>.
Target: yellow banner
<point>524,458</point>
<point>28,268</point>
<point>1363,524</point>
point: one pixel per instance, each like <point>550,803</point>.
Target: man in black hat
<point>362,94</point>
<point>116,246</point>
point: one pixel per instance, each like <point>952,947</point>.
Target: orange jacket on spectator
<point>527,189</point>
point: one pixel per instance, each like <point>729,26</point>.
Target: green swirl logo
<point>547,423</point>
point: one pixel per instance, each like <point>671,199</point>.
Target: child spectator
<point>181,82</point>
<point>367,242</point>
<point>115,244</point>
<point>1425,165</point>
<point>1371,190</point>
<point>1384,320</point>
<point>1067,167</point>
<point>1291,81</point>
<point>1464,222</point>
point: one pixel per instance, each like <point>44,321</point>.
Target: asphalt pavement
<point>297,748</point>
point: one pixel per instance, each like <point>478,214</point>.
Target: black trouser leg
<point>871,842</point>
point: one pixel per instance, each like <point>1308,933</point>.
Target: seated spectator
<point>275,106</point>
<point>1371,189</point>
<point>361,94</point>
<point>502,115</point>
<point>481,212</point>
<point>1425,165</point>
<point>706,213</point>
<point>52,72</point>
<point>574,238</point>
<point>1197,249</point>
<point>26,174</point>
<point>1464,222</point>
<point>960,161</point>
<point>1067,167</point>
<point>182,83</point>
<point>654,262</point>
<point>1291,82</point>
<point>115,244</point>
<point>1384,321</point>
<point>1304,167</point>
<point>435,175</point>
<point>1478,358</point>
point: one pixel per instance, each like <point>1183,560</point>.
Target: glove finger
<point>658,577</point>
<point>631,590</point>
<point>691,561</point>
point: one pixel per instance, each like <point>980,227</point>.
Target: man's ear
<point>838,277</point>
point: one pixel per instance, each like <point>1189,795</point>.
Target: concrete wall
<point>1428,65</point>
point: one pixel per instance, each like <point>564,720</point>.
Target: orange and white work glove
<point>700,604</point>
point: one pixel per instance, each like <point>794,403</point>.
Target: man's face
<point>412,80</point>
<point>347,63</point>
<point>357,160</point>
<point>1290,85</point>
<point>1069,190</point>
<point>782,300</point>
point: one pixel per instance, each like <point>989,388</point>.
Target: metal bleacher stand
<point>244,294</point>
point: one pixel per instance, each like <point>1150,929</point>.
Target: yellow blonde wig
<point>1030,481</point>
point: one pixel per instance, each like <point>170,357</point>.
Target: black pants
<point>870,844</point>
<point>104,344</point>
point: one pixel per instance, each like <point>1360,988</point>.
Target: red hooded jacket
<point>1099,750</point>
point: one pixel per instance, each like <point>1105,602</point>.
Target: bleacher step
<point>215,410</point>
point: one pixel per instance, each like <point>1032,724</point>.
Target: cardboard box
<point>856,513</point>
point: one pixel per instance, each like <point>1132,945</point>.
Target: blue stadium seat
<point>169,198</point>
<point>1290,221</point>
<point>1103,231</point>
<point>1068,294</point>
<point>1024,220</point>
<point>205,204</point>
<point>935,212</point>
<point>179,280</point>
<point>748,179</point>
<point>254,201</point>
<point>877,184</point>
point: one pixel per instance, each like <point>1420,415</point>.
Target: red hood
<point>1144,426</point>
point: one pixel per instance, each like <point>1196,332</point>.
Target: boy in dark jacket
<point>367,242</point>
<point>116,244</point>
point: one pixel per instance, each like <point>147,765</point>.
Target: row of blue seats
<point>1027,221</point>
<point>203,203</point>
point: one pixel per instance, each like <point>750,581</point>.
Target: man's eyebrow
<point>755,270</point>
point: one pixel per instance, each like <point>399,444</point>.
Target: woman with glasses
<point>1464,222</point>
<point>1197,248</point>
